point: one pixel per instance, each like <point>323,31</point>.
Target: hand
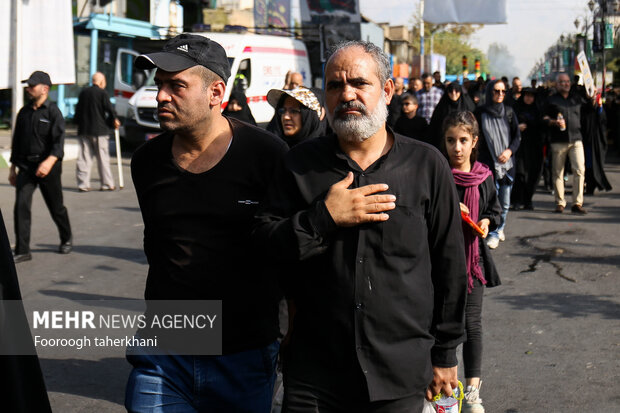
<point>503,158</point>
<point>464,208</point>
<point>45,167</point>
<point>117,123</point>
<point>350,207</point>
<point>12,176</point>
<point>561,124</point>
<point>484,226</point>
<point>444,380</point>
<point>522,126</point>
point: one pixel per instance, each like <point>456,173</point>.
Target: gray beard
<point>354,128</point>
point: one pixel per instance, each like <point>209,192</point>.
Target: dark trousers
<point>51,189</point>
<point>472,348</point>
<point>304,397</point>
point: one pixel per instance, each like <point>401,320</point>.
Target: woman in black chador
<point>594,131</point>
<point>238,107</point>
<point>530,154</point>
<point>453,100</point>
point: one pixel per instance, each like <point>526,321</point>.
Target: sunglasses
<point>499,91</point>
<point>291,111</point>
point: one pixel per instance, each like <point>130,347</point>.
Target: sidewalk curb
<point>70,149</point>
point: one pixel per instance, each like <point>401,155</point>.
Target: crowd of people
<point>526,133</point>
<point>384,279</point>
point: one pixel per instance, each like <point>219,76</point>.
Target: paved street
<point>552,330</point>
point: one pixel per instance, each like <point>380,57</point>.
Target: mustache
<point>351,105</point>
<point>164,106</point>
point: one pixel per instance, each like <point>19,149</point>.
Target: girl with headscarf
<point>238,108</point>
<point>474,184</point>
<point>499,141</point>
<point>453,100</point>
<point>299,114</point>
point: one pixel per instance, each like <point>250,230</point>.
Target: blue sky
<point>533,25</point>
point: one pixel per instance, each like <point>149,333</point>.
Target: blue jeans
<point>503,187</point>
<point>239,382</point>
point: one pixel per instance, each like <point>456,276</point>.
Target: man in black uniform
<point>36,160</point>
<point>367,224</point>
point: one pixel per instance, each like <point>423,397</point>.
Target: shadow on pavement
<point>97,300</point>
<point>565,305</point>
<point>129,209</point>
<point>103,379</point>
<point>129,254</point>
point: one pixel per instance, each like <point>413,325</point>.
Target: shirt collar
<point>333,142</point>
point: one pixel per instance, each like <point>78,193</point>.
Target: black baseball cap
<point>185,51</point>
<point>38,78</point>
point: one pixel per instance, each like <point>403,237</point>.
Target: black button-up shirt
<point>387,297</point>
<point>38,134</point>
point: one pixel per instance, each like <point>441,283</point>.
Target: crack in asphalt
<point>546,254</point>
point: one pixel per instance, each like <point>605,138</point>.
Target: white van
<point>261,60</point>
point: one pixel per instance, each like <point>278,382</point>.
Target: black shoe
<point>17,258</point>
<point>528,207</point>
<point>65,247</point>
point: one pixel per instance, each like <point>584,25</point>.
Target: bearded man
<point>367,224</point>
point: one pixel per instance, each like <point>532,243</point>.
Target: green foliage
<point>452,41</point>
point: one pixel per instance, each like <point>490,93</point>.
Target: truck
<point>258,63</point>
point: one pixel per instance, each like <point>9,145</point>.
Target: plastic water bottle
<point>561,118</point>
<point>447,405</point>
<point>451,404</point>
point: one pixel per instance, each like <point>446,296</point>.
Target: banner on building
<point>46,32</point>
<point>271,15</point>
<point>330,11</point>
<point>471,11</point>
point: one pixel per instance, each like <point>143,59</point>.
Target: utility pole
<point>421,37</point>
<point>17,96</point>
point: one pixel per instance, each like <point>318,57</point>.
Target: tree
<point>452,41</point>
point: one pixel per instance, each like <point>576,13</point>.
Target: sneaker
<point>65,247</point>
<point>493,242</point>
<point>472,403</point>
<point>578,209</point>
<point>501,235</point>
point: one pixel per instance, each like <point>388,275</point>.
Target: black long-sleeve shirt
<point>38,134</point>
<point>94,113</point>
<point>197,232</point>
<point>387,297</point>
<point>570,108</point>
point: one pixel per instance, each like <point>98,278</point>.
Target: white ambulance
<point>259,61</point>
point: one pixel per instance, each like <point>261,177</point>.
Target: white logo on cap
<point>183,48</point>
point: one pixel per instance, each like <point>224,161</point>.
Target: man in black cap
<point>199,185</point>
<point>36,160</point>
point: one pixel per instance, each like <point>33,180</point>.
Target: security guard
<point>36,160</point>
